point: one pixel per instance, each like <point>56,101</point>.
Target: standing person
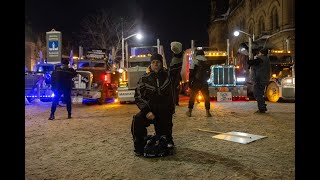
<point>176,65</point>
<point>198,77</point>
<point>261,74</point>
<point>61,80</point>
<point>154,97</point>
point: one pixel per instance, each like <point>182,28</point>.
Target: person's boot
<point>188,113</point>
<point>208,114</point>
<point>69,115</point>
<point>51,117</point>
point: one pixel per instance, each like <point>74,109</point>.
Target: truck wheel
<point>104,93</point>
<point>272,92</point>
<point>102,99</point>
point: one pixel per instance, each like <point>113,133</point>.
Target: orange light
<point>124,76</point>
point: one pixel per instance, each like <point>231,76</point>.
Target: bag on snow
<point>156,147</point>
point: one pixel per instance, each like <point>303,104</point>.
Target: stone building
<point>30,55</point>
<point>269,22</point>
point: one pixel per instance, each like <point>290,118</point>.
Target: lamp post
<point>236,33</point>
<point>139,36</point>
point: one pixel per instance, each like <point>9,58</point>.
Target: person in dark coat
<point>198,77</point>
<point>154,96</point>
<point>261,75</point>
<point>61,80</point>
<point>176,65</point>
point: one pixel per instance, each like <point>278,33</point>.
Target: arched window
<point>242,23</point>
<point>274,19</point>
<point>251,30</point>
<point>261,25</point>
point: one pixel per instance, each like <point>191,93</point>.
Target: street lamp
<point>236,33</point>
<point>139,36</point>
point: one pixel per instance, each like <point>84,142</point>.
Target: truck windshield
<point>216,60</point>
<point>281,65</point>
<point>144,50</point>
<point>45,68</point>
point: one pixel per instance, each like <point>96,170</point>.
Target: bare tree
<point>103,30</point>
<point>41,46</point>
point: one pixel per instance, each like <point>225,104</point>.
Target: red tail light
<point>105,77</point>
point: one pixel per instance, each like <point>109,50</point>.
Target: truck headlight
<point>120,70</point>
<point>288,82</point>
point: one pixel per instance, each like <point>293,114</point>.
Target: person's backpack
<point>156,147</point>
<point>202,71</point>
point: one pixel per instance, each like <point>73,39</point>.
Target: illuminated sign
<point>54,41</point>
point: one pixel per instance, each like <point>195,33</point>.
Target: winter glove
<point>176,47</point>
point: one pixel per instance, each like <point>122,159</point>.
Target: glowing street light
<point>138,35</point>
<point>237,32</point>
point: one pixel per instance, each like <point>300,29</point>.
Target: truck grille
<point>134,74</point>
<point>288,92</point>
<point>31,80</point>
<point>222,75</point>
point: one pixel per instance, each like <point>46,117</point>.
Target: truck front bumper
<point>238,91</point>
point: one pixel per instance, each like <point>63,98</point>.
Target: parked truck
<point>282,79</point>
<point>281,85</point>
<point>38,82</point>
<point>223,78</point>
<point>138,63</point>
<point>94,81</point>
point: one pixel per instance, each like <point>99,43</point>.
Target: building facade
<point>30,55</point>
<point>271,22</point>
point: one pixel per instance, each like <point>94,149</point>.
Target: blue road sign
<point>53,45</point>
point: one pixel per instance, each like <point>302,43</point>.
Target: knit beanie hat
<point>156,56</point>
<point>176,47</point>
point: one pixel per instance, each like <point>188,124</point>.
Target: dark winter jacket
<point>61,78</point>
<point>195,69</point>
<point>261,69</point>
<point>175,68</point>
<point>154,90</point>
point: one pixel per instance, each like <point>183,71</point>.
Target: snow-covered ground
<point>97,143</point>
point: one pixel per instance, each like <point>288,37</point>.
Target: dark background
<point>168,20</point>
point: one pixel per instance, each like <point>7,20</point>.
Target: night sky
<point>168,20</point>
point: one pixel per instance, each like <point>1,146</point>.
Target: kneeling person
<point>154,98</point>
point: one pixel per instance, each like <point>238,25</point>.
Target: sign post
<point>54,46</point>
